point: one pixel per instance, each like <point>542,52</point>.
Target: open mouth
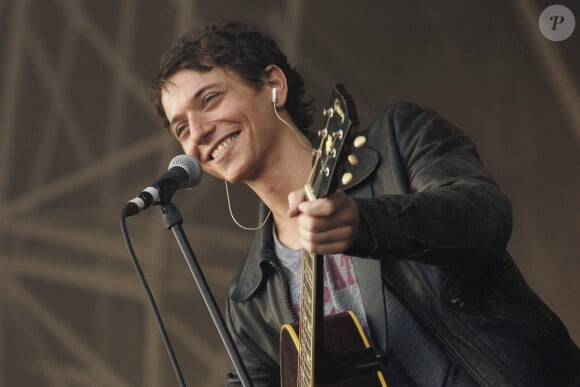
<point>223,145</point>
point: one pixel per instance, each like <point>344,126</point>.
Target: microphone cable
<point>151,299</point>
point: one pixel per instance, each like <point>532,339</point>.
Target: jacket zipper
<point>286,288</point>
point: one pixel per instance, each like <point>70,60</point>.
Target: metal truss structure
<point>72,311</point>
<point>77,139</point>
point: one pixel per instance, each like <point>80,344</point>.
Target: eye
<point>209,98</point>
<point>179,130</point>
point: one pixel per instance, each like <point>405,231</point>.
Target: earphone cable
<point>234,218</point>
<point>295,131</point>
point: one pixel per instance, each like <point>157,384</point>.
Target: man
<point>416,242</point>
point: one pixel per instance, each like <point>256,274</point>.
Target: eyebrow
<point>197,95</point>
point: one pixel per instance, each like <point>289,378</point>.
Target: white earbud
<point>274,95</point>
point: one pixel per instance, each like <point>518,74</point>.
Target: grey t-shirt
<point>341,290</point>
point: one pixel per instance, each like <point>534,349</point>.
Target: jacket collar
<point>251,273</point>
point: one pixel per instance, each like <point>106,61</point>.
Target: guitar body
<point>342,334</point>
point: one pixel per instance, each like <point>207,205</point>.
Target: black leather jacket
<point>437,225</point>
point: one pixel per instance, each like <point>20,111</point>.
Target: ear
<point>275,78</point>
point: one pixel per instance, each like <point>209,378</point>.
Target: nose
<point>200,135</point>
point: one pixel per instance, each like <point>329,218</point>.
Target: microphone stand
<point>173,220</point>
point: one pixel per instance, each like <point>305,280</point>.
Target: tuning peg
<point>353,160</point>
<point>346,178</point>
<point>360,141</point>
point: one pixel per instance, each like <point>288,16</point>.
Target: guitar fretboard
<point>307,321</point>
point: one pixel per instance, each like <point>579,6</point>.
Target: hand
<point>326,226</point>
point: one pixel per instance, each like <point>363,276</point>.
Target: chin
<point>233,174</point>
<point>230,178</point>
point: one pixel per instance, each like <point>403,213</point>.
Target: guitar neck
<point>311,306</point>
<point>328,162</point>
<point>311,313</point>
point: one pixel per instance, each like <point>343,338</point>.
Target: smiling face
<point>218,118</point>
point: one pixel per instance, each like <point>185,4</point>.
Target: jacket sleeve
<point>449,210</point>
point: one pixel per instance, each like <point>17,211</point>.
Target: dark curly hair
<point>234,46</point>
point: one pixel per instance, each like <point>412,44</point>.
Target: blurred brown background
<point>77,140</point>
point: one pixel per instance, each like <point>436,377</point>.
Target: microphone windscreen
<point>191,166</point>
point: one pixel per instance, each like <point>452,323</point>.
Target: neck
<point>286,171</point>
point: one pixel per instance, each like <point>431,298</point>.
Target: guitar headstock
<point>336,139</point>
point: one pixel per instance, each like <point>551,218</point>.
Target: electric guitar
<point>331,351</point>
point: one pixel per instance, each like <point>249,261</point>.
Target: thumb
<point>294,199</point>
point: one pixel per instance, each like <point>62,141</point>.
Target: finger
<point>327,206</point>
<point>319,207</point>
<point>331,235</point>
<point>331,242</point>
<point>321,233</point>
<point>294,200</point>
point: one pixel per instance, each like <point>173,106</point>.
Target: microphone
<point>183,172</point>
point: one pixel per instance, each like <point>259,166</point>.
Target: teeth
<point>221,147</point>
